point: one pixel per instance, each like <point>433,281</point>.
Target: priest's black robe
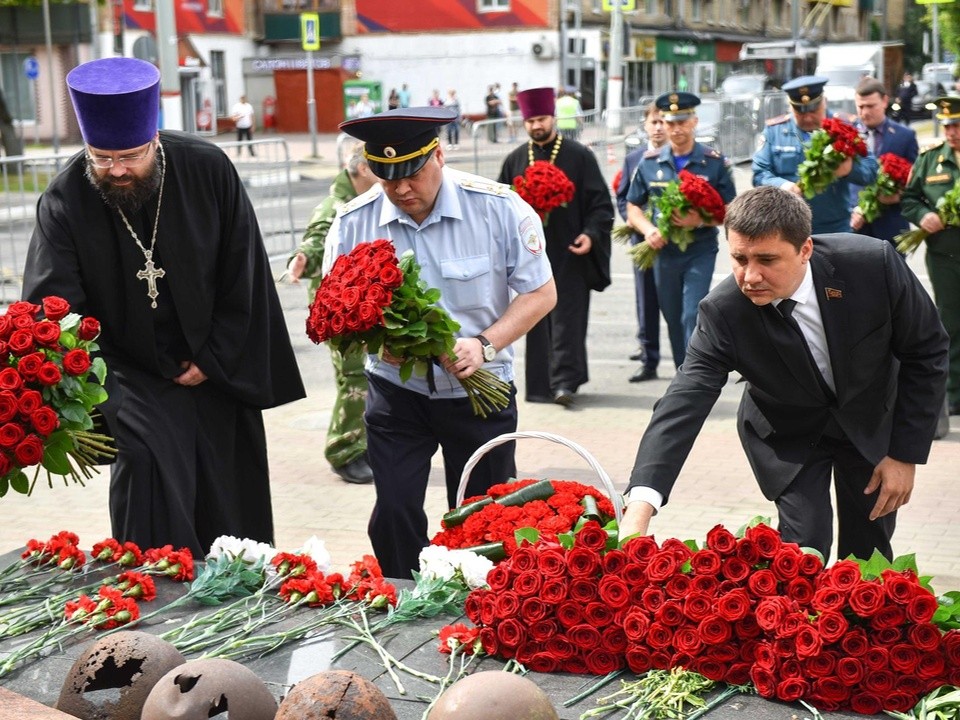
<point>556,347</point>
<point>192,461</point>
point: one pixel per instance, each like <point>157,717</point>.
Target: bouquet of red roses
<point>892,179</point>
<point>689,192</point>
<point>947,207</point>
<point>372,297</point>
<point>49,386</point>
<point>545,187</point>
<point>833,143</point>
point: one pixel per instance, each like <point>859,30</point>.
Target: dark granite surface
<point>413,643</point>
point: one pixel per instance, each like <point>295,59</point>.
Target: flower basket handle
<point>615,497</point>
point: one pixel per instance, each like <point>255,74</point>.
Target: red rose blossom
<point>89,329</point>
<point>76,362</point>
<point>29,451</point>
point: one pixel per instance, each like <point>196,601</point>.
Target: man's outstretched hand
<point>636,519</point>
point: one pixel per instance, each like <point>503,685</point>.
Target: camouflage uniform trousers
<point>347,434</point>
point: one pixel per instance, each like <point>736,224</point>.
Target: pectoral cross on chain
<point>151,273</point>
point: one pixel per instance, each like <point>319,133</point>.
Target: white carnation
<point>250,550</point>
<point>317,549</point>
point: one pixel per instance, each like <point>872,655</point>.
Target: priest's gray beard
<point>129,198</point>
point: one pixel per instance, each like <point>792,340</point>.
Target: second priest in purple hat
<point>578,245</point>
<point>153,234</point>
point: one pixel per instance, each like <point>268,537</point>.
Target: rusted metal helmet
<point>494,695</point>
<point>335,693</point>
<point>201,689</point>
<point>113,677</point>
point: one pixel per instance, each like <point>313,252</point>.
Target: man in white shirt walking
<point>243,117</point>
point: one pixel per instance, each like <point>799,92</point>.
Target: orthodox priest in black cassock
<point>192,364</point>
<point>556,347</point>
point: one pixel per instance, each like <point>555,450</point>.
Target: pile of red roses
<point>558,610</point>
<point>738,610</point>
<point>833,143</point>
<point>545,187</point>
<point>354,293</point>
<point>496,523</point>
<point>891,179</point>
<point>689,192</point>
<point>49,385</point>
<point>867,645</point>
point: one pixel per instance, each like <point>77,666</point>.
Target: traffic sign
<point>310,30</point>
<point>625,5</point>
<point>31,68</point>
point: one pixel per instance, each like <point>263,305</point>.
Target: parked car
<point>927,92</point>
<point>724,125</point>
<point>737,85</point>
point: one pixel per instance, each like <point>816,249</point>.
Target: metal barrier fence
<point>264,167</point>
<point>734,129</point>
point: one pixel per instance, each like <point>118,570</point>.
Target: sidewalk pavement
<point>716,485</point>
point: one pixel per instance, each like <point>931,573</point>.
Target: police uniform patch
<point>532,240</point>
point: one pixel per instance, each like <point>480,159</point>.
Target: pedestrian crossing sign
<point>310,30</point>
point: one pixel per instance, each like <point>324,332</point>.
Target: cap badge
<point>389,152</point>
<point>674,99</point>
<point>674,107</point>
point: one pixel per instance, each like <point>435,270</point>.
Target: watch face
<point>489,352</point>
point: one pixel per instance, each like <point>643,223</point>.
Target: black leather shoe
<point>539,399</point>
<point>644,374</point>
<point>637,355</point>
<point>356,472</point>
<point>564,397</point>
<point>954,409</point>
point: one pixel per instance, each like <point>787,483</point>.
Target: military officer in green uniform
<point>346,446</point>
<point>936,171</point>
<point>784,143</point>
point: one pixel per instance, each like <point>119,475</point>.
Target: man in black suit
<point>845,363</point>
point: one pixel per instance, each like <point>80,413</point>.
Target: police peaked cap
<point>805,92</point>
<point>676,106</point>
<point>397,143</point>
<point>948,110</point>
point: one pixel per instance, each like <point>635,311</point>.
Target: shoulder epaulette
<point>488,187</point>
<point>779,120</point>
<point>361,200</point>
<point>932,146</point>
<point>712,152</point>
<point>651,154</point>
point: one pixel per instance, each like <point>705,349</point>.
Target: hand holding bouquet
<point>372,297</point>
<point>49,386</point>
<point>691,194</point>
<point>947,207</point>
<point>891,180</point>
<point>830,146</point>
<point>544,187</point>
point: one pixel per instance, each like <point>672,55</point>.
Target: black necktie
<point>786,311</point>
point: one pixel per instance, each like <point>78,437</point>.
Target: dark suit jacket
<point>899,140</point>
<point>887,348</point>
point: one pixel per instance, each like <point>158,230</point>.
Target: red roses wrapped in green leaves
<point>49,385</point>
<point>371,296</point>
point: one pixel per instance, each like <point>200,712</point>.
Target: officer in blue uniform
<point>782,150</point>
<point>484,249</point>
<point>682,277</point>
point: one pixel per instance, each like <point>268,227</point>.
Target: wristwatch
<point>489,351</point>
